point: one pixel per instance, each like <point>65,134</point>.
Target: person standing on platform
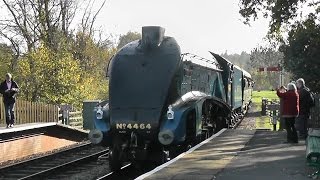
<point>290,111</point>
<point>306,101</point>
<point>9,89</point>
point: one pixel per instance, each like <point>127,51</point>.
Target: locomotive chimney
<point>152,36</point>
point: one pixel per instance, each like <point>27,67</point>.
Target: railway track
<point>54,165</point>
<point>71,164</point>
<point>129,172</point>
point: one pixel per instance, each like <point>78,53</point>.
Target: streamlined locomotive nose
<point>142,74</point>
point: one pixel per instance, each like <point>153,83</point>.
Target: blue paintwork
<point>177,125</point>
<point>191,101</point>
<point>103,124</point>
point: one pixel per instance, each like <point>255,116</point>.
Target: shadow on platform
<point>266,157</point>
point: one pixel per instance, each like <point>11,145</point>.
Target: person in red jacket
<point>290,110</point>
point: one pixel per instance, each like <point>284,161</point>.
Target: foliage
<point>29,22</point>
<point>51,77</point>
<point>55,63</point>
<point>6,60</point>
<point>282,12</point>
<point>43,73</point>
<point>129,37</point>
<point>93,59</point>
<point>263,57</point>
<point>90,55</point>
<point>301,45</point>
<point>302,52</point>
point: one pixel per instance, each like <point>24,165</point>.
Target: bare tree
<point>85,35</point>
<point>32,21</point>
<point>29,23</point>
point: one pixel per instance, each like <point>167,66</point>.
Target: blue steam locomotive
<point>160,99</point>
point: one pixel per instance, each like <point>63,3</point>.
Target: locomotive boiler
<point>160,99</point>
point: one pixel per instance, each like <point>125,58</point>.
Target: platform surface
<point>22,127</point>
<point>240,155</point>
<point>32,140</point>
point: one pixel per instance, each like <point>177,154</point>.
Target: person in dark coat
<point>9,89</point>
<point>306,101</point>
<point>290,110</point>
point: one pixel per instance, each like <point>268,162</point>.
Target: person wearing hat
<point>9,89</point>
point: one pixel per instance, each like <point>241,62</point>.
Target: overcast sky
<point>198,26</point>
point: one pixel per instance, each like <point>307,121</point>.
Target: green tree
<point>129,37</point>
<point>6,60</point>
<point>296,31</point>
<point>93,58</point>
<point>263,56</point>
<point>43,73</point>
<point>55,63</point>
<point>268,56</point>
<point>281,12</point>
<point>302,52</point>
<point>29,23</point>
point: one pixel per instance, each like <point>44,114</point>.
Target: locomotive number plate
<point>132,126</point>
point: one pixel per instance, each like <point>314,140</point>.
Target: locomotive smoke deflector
<point>152,36</point>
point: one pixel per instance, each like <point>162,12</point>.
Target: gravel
<point>249,121</point>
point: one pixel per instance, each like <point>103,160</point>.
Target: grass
<point>263,122</point>
<point>258,95</point>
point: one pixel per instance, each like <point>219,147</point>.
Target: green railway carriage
<point>202,76</point>
<point>238,87</point>
<point>247,85</point>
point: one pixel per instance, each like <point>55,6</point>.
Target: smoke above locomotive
<point>160,99</point>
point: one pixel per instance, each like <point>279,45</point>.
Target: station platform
<point>22,127</point>
<point>32,140</point>
<point>241,155</point>
<point>30,126</point>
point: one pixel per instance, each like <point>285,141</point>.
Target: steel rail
<point>49,171</point>
<point>21,163</point>
<point>106,176</point>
